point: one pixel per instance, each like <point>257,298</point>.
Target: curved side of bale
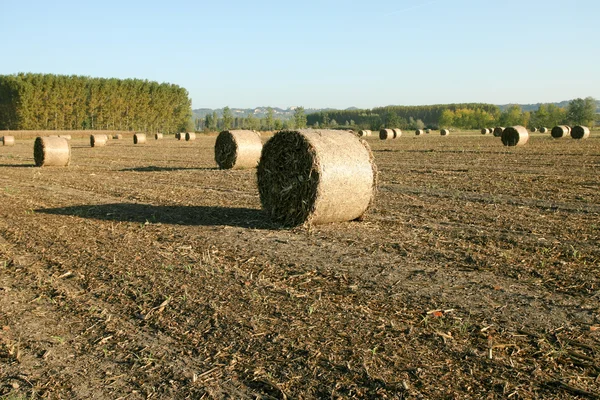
<point>139,138</point>
<point>444,132</point>
<point>515,136</point>
<point>498,131</point>
<point>158,136</point>
<point>8,140</point>
<point>51,152</point>
<point>386,134</point>
<point>118,136</point>
<point>192,136</point>
<point>580,132</point>
<point>560,131</point>
<point>98,140</point>
<point>419,132</point>
<point>237,149</point>
<point>316,176</point>
<point>397,133</point>
<point>543,130</point>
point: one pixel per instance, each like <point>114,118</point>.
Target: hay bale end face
<point>498,131</point>
<point>515,136</point>
<point>51,152</point>
<point>158,136</point>
<point>139,138</point>
<point>533,130</point>
<point>485,131</point>
<point>386,134</point>
<point>98,140</point>
<point>444,132</point>
<point>8,140</point>
<point>316,176</point>
<point>560,131</point>
<point>543,130</point>
<point>189,136</point>
<point>580,132</point>
<point>237,149</point>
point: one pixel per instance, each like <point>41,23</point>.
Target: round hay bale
<point>68,137</point>
<point>427,130</point>
<point>118,136</point>
<point>386,134</point>
<point>51,152</point>
<point>543,130</point>
<point>316,176</point>
<point>397,133</point>
<point>192,136</point>
<point>8,140</point>
<point>533,130</point>
<point>580,132</point>
<point>444,132</point>
<point>237,149</point>
<point>560,131</point>
<point>158,136</point>
<point>98,140</point>
<point>498,131</point>
<point>139,138</point>
<point>515,136</point>
<point>364,133</point>
<point>485,131</point>
<point>419,132</point>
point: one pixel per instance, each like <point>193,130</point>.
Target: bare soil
<point>142,271</point>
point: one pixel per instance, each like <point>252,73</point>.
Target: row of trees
<point>50,102</point>
<point>212,122</point>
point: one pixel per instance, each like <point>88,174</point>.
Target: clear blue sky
<point>317,53</point>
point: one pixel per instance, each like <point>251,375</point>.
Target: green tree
<point>582,111</point>
<point>299,118</point>
<point>227,118</point>
<point>269,119</point>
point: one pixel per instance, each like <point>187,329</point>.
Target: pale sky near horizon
<point>317,54</point>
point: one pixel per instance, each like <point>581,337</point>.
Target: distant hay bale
<point>560,131</point>
<point>580,132</point>
<point>364,133</point>
<point>533,130</point>
<point>515,136</point>
<point>386,134</point>
<point>139,138</point>
<point>237,149</point>
<point>158,136</point>
<point>68,137</point>
<point>51,152</point>
<point>192,136</point>
<point>498,131</point>
<point>543,130</point>
<point>397,133</point>
<point>8,140</point>
<point>98,140</point>
<point>485,131</point>
<point>316,176</point>
<point>118,136</point>
<point>419,132</point>
<point>180,136</point>
<point>444,132</point>
<point>427,130</point>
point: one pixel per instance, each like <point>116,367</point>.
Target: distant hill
<point>258,112</point>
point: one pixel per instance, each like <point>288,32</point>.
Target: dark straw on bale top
<point>580,132</point>
<point>316,176</point>
<point>237,149</point>
<point>139,138</point>
<point>51,152</point>
<point>560,131</point>
<point>386,134</point>
<point>98,140</point>
<point>498,131</point>
<point>158,136</point>
<point>8,140</point>
<point>515,136</point>
<point>190,136</point>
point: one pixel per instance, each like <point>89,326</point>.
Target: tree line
<point>51,102</point>
<point>212,122</point>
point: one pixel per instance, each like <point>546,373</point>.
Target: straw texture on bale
<point>444,132</point>
<point>397,133</point>
<point>237,149</point>
<point>316,176</point>
<point>98,140</point>
<point>560,131</point>
<point>580,132</point>
<point>8,140</point>
<point>158,136</point>
<point>498,131</point>
<point>419,132</point>
<point>544,130</point>
<point>192,136</point>
<point>139,138</point>
<point>515,136</point>
<point>118,136</point>
<point>386,134</point>
<point>51,152</point>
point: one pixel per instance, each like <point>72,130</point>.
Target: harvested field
<point>146,272</point>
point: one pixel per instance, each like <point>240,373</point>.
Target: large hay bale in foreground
<point>498,131</point>
<point>192,136</point>
<point>515,136</point>
<point>444,132</point>
<point>419,132</point>
<point>397,133</point>
<point>98,140</point>
<point>386,134</point>
<point>8,140</point>
<point>543,130</point>
<point>560,131</point>
<point>51,152</point>
<point>580,132</point>
<point>139,138</point>
<point>237,149</point>
<point>158,136</point>
<point>316,176</point>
